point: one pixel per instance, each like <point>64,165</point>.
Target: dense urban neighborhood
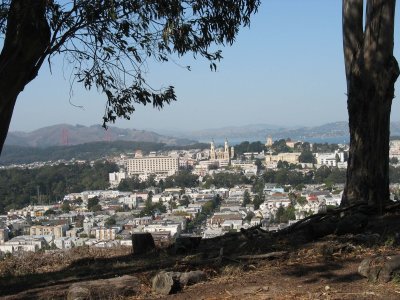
<point>195,192</point>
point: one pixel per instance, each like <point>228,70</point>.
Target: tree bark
<point>26,41</point>
<point>142,243</point>
<point>371,72</point>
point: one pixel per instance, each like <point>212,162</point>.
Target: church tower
<point>268,142</point>
<point>226,150</point>
<point>212,151</point>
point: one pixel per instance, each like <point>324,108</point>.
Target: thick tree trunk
<point>25,44</point>
<point>371,71</point>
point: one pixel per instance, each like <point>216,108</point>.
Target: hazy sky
<point>287,69</point>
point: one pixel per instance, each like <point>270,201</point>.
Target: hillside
<point>330,132</point>
<point>88,151</point>
<point>324,268</point>
<point>64,134</point>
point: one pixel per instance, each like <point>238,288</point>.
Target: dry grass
<point>39,262</point>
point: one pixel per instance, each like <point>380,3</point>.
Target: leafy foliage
<point>307,156</point>
<point>283,215</point>
<point>182,179</point>
<point>246,198</point>
<point>227,180</point>
<point>109,42</point>
<point>280,147</point>
<point>18,187</point>
<point>93,203</point>
<point>151,208</point>
<point>246,146</point>
<point>324,148</point>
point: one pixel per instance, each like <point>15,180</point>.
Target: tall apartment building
<point>163,165</point>
<point>105,234</point>
<point>57,231</point>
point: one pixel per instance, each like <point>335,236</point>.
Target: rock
<point>77,292</point>
<point>379,268</point>
<point>165,283</point>
<point>104,288</point>
<point>142,242</point>
<point>192,277</point>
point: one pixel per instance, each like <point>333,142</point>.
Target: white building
<point>330,159</point>
<point>163,165</point>
<point>129,200</point>
<point>174,229</point>
<point>23,243</point>
<point>64,242</point>
<point>115,178</point>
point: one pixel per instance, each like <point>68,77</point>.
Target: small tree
<point>110,222</point>
<point>246,198</point>
<point>65,207</point>
<point>184,200</point>
<point>92,202</point>
<point>50,212</point>
<point>307,156</point>
<point>258,200</point>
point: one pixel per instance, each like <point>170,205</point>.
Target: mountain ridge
<point>66,134</point>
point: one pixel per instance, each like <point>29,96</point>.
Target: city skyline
<point>286,70</point>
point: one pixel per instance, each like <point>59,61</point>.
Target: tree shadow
<point>31,285</point>
<point>334,272</point>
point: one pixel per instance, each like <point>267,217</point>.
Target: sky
<point>286,70</point>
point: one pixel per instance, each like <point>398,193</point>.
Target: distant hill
<point>330,132</point>
<point>261,131</point>
<point>89,151</point>
<point>64,134</point>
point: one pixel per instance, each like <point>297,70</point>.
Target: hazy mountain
<point>64,134</point>
<point>261,131</point>
<point>330,132</point>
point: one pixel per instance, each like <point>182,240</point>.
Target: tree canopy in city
<point>108,43</point>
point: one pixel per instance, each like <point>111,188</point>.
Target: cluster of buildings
<point>203,162</point>
<point>33,228</point>
<point>232,215</point>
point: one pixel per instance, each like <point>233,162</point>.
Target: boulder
<point>380,268</point>
<point>165,283</point>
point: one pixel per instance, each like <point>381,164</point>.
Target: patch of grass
<point>390,241</point>
<point>396,278</point>
<point>232,271</point>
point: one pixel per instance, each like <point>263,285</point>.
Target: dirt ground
<point>322,269</point>
<point>306,274</point>
<point>334,280</point>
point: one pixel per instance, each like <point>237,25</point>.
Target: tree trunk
<point>142,243</point>
<point>371,72</point>
<point>27,38</point>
